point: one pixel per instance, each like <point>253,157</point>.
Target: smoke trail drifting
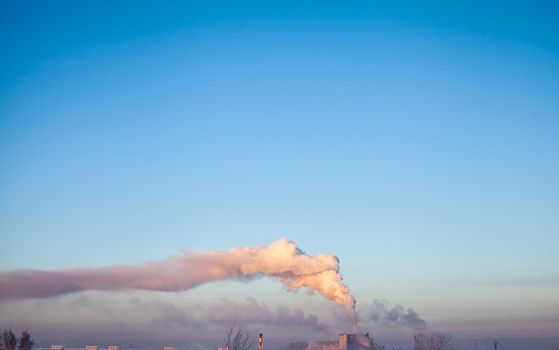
<point>379,312</point>
<point>281,259</point>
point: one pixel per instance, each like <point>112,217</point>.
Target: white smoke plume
<point>282,260</point>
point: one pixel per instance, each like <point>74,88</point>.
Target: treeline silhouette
<point>9,340</point>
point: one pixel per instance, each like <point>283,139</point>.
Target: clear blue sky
<point>417,142</point>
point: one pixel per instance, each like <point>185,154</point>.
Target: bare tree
<point>9,339</point>
<point>432,341</point>
<point>239,338</point>
<point>25,341</point>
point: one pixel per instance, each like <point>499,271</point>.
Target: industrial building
<point>345,342</point>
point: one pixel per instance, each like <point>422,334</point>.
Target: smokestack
<point>260,342</point>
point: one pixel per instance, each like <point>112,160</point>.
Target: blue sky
<point>417,142</point>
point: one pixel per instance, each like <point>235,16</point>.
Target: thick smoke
<point>379,312</point>
<point>252,312</point>
<point>281,259</point>
<point>227,312</point>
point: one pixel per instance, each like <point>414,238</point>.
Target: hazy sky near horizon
<point>416,142</point>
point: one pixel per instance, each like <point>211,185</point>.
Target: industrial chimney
<point>260,343</point>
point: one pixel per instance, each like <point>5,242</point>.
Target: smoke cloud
<point>251,312</point>
<point>379,312</point>
<point>227,312</point>
<point>282,260</point>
